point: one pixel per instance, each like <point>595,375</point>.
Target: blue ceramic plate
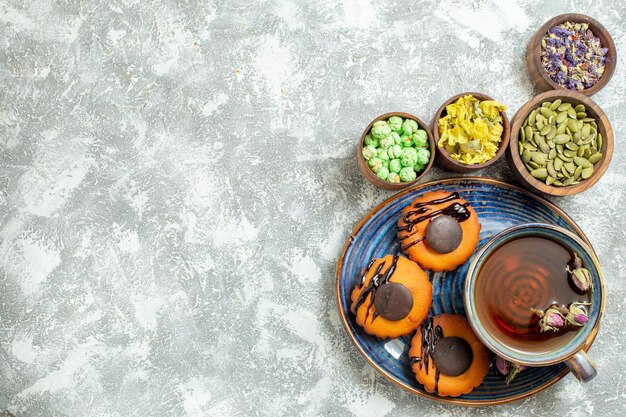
<point>498,205</point>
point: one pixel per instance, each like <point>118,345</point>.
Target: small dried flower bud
<point>577,315</point>
<point>552,319</point>
<point>502,365</point>
<point>581,277</point>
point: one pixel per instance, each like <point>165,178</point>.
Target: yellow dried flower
<point>471,130</point>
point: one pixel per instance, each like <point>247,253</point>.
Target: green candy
<point>407,141</point>
<point>407,174</point>
<point>386,163</point>
<point>393,177</point>
<point>394,151</point>
<point>386,142</point>
<point>409,126</point>
<point>383,173</point>
<point>408,157</point>
<point>418,167</point>
<point>369,140</point>
<point>395,165</point>
<point>396,138</point>
<point>369,152</point>
<point>395,123</point>
<point>420,138</point>
<point>382,155</point>
<point>380,129</point>
<point>375,164</point>
<point>423,156</point>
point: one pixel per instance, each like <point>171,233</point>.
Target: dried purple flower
<point>567,53</point>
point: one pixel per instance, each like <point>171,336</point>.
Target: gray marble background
<point>177,179</point>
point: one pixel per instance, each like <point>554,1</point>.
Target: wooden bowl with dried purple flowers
<point>571,51</point>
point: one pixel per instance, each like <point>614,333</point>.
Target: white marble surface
<point>177,179</point>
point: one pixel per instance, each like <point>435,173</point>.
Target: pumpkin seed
<point>568,181</point>
<point>586,172</point>
<point>561,117</point>
<point>538,158</point>
<point>565,172</point>
<point>552,133</point>
<point>581,115</point>
<point>528,131</point>
<point>545,130</point>
<point>546,112</point>
<point>572,125</point>
<point>557,183</point>
<point>555,104</point>
<point>595,158</point>
<point>558,164</point>
<point>571,113</point>
<point>559,148</point>
<point>581,151</point>
<point>552,154</point>
<point>579,108</point>
<point>551,171</point>
<point>526,156</point>
<point>569,153</point>
<point>530,147</point>
<point>586,130</point>
<point>587,153</point>
<point>561,129</point>
<point>564,106</point>
<point>582,162</point>
<point>570,167</point>
<point>531,117</point>
<point>599,141</point>
<point>578,171</point>
<point>550,179</point>
<point>571,146</point>
<point>533,164</point>
<point>520,147</point>
<point>561,139</point>
<point>539,173</point>
<point>546,104</point>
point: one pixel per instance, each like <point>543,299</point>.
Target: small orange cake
<point>391,297</point>
<point>439,230</point>
<point>447,357</point>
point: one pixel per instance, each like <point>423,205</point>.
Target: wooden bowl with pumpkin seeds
<point>561,143</point>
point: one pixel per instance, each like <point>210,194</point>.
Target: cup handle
<point>582,366</point>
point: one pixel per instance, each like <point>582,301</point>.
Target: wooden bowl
<point>539,76</point>
<point>367,172</point>
<point>593,110</point>
<point>444,159</point>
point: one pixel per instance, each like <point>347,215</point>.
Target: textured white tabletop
<point>177,179</point>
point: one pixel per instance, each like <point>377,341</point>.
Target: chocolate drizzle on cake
<point>430,337</point>
<point>377,280</point>
<point>421,212</point>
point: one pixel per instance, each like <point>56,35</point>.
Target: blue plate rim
<point>421,186</point>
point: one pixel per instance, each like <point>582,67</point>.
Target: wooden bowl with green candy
<point>395,151</point>
<point>561,143</point>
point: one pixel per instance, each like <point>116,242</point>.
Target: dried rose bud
<point>577,315</point>
<point>552,319</point>
<point>515,370</point>
<point>581,277</point>
<point>502,365</point>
